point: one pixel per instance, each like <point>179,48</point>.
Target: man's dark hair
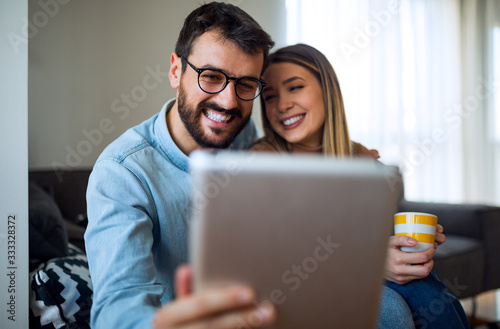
<point>234,25</point>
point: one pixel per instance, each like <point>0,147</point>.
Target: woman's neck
<point>302,148</point>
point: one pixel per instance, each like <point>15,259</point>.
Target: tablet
<point>308,233</point>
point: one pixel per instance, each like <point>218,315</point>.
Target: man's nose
<point>227,98</point>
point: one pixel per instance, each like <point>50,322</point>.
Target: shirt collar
<point>165,140</point>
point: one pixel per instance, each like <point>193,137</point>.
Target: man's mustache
<point>234,111</point>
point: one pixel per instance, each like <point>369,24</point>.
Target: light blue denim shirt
<point>138,200</point>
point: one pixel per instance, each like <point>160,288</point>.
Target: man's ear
<point>175,72</point>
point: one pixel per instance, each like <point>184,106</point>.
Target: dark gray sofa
<point>469,262</point>
<point>68,189</point>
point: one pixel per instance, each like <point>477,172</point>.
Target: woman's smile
<point>292,122</point>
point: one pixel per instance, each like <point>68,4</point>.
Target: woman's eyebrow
<point>284,82</point>
<point>291,79</point>
<point>267,88</point>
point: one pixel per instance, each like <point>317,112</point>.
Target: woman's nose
<point>284,104</point>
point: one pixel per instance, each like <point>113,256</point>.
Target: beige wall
<point>96,68</point>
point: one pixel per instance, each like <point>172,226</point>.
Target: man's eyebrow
<point>215,68</point>
<point>210,66</point>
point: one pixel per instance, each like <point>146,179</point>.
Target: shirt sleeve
<point>118,242</point>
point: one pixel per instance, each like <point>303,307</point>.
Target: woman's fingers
<point>440,237</point>
<point>405,273</point>
<point>403,267</point>
<point>397,242</point>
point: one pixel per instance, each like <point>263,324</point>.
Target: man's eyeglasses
<point>214,81</point>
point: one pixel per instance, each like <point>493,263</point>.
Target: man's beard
<point>191,118</point>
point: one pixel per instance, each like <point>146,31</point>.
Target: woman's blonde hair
<point>335,133</point>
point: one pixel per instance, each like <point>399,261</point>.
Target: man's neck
<point>179,133</point>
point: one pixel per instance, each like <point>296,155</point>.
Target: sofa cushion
<point>459,263</point>
<point>458,219</point>
<point>47,233</point>
<point>60,292</point>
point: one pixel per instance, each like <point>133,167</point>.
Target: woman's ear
<point>175,72</point>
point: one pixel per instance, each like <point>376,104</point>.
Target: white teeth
<point>293,120</point>
<point>217,117</point>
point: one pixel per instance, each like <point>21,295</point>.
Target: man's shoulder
<point>135,139</point>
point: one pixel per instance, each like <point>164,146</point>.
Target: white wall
<point>14,165</point>
<point>90,65</point>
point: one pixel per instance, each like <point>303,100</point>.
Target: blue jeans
<point>430,304</point>
<point>394,313</point>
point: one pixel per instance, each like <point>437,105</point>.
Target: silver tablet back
<point>308,233</point>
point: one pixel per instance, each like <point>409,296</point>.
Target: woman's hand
<point>403,267</point>
<point>362,151</point>
<point>223,308</point>
<point>440,237</point>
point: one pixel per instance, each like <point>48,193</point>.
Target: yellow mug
<point>418,225</point>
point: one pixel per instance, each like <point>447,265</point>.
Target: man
<point>138,193</point>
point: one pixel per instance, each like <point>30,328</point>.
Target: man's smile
<point>217,116</point>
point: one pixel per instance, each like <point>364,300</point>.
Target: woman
<point>303,111</point>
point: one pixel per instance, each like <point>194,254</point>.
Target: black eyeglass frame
<point>228,78</point>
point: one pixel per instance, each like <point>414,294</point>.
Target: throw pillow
<point>61,292</point>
